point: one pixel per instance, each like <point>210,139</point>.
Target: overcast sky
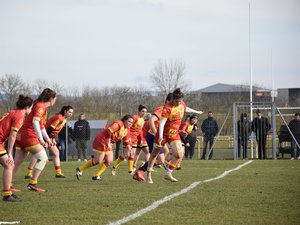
<point>117,42</point>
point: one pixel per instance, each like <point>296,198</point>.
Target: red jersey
<point>146,129</point>
<point>137,125</point>
<point>173,116</point>
<point>27,136</point>
<point>186,128</point>
<point>57,122</point>
<point>116,132</point>
<point>11,121</point>
<point>157,112</point>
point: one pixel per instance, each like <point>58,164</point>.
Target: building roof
<point>227,88</point>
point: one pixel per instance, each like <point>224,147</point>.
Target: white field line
<point>5,222</point>
<point>155,204</point>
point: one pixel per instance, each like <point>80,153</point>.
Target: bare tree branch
<point>168,75</point>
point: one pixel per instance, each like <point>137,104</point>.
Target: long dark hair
<point>46,95</point>
<point>23,102</point>
<point>65,108</point>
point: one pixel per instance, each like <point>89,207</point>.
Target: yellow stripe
<point>100,151</point>
<point>3,151</point>
<point>28,148</point>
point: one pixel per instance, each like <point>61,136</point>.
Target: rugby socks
<point>170,168</point>
<point>144,167</point>
<point>167,162</point>
<point>6,193</point>
<point>29,172</point>
<point>57,169</point>
<point>130,164</point>
<point>102,168</point>
<point>86,165</point>
<point>118,162</point>
<point>33,182</point>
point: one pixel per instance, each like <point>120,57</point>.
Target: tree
<point>168,75</point>
<point>11,86</point>
<point>40,85</point>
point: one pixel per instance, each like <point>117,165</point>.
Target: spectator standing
<point>81,135</point>
<point>209,129</point>
<point>243,134</point>
<point>294,126</point>
<point>62,140</point>
<point>191,140</point>
<point>261,126</point>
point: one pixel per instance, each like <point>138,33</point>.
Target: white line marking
<point>5,222</point>
<point>155,204</point>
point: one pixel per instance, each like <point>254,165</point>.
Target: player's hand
<point>10,160</point>
<point>43,143</point>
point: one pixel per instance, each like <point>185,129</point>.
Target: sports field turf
<point>262,192</point>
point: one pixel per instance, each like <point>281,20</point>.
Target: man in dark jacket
<point>209,129</point>
<point>81,134</point>
<point>261,127</point>
<point>243,134</point>
<point>294,126</point>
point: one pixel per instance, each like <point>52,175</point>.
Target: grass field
<point>262,192</point>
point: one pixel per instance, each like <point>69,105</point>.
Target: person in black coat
<point>261,127</point>
<point>209,129</point>
<point>294,126</point>
<point>243,134</point>
<point>81,135</point>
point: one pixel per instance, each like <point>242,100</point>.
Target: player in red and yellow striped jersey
<point>102,145</point>
<point>153,124</point>
<point>10,124</point>
<point>33,137</point>
<point>53,127</point>
<point>168,132</point>
<point>135,134</point>
<point>142,142</point>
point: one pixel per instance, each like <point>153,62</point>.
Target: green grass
<point>263,192</point>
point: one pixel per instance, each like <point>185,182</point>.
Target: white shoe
<point>149,179</point>
<point>298,158</point>
<point>85,160</point>
<point>169,177</point>
<point>78,160</point>
<point>96,178</point>
<point>78,173</point>
<point>113,171</point>
<point>292,158</point>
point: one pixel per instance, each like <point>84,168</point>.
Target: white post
<point>251,83</point>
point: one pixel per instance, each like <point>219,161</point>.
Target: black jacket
<point>209,127</point>
<point>244,128</point>
<point>294,126</point>
<point>261,126</point>
<point>81,130</point>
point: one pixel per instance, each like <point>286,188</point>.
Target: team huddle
<point>26,128</point>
